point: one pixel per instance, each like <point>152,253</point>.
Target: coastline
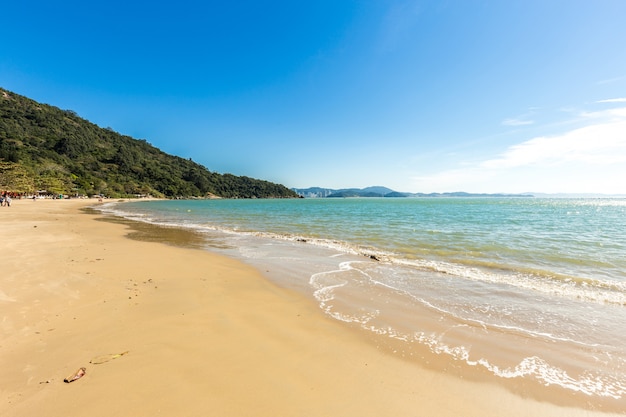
<point>205,335</point>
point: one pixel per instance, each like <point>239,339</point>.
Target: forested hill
<point>45,148</point>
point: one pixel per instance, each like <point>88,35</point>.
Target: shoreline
<point>205,335</point>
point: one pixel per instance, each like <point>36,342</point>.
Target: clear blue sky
<point>420,96</point>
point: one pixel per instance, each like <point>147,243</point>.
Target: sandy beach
<point>190,333</point>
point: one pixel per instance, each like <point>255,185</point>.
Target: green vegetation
<point>45,148</point>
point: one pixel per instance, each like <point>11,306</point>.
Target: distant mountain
<point>378,191</point>
<point>46,149</point>
<point>578,195</point>
<point>464,194</point>
<point>318,192</point>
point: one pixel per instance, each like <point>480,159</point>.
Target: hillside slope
<point>45,148</point>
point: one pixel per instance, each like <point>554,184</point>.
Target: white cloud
<point>586,159</point>
<point>517,122</point>
<point>616,114</point>
<point>522,119</point>
<point>612,80</point>
<point>597,144</point>
<point>613,100</point>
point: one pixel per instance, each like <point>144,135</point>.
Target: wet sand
<point>204,335</point>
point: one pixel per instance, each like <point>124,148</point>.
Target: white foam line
<point>604,292</point>
<point>601,293</point>
<point>477,322</point>
<point>324,294</point>
<point>533,367</point>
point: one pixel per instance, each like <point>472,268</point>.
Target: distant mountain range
<point>379,191</point>
<point>578,195</point>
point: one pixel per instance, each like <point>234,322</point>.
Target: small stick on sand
<point>76,375</point>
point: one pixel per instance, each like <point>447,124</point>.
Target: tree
<point>15,178</point>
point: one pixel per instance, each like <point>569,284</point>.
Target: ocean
<point>527,292</point>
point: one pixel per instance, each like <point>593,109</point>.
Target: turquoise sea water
<point>522,289</point>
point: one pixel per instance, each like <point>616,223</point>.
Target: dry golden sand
<point>205,335</point>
